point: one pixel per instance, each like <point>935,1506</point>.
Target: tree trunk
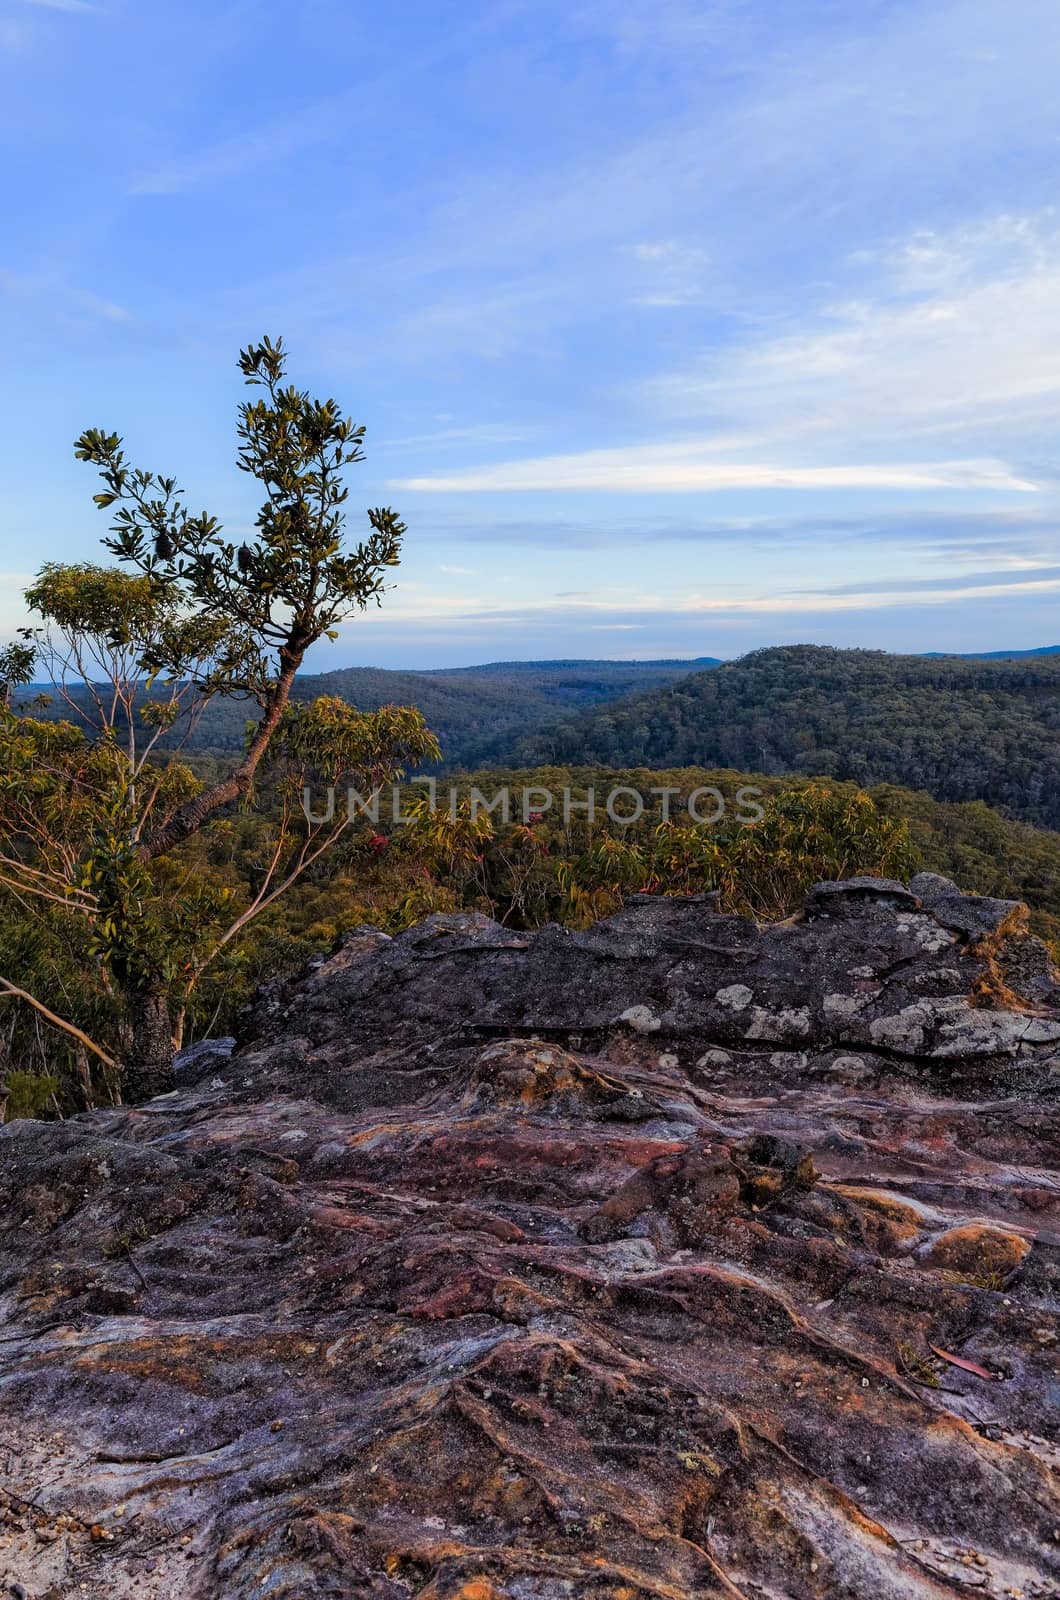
<point>147,1068</point>
<point>190,817</point>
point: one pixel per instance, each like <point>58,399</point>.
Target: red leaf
<point>965,1366</point>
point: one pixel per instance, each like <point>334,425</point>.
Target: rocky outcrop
<point>673,1258</point>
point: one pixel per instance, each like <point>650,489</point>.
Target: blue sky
<point>678,328</point>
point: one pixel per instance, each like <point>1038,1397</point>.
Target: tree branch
<point>58,1022</point>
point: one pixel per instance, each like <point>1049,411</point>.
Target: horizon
<point>693,327</point>
<point>645,661</point>
<point>648,661</point>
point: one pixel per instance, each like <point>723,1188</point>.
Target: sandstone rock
<point>928,887</point>
<point>641,1019</point>
<point>735,997</point>
<point>691,1189</point>
<point>460,1284</point>
<point>201,1060</point>
<point>714,1058</point>
<point>978,1251</point>
<point>892,1224</point>
<point>845,1069</point>
<point>850,895</point>
<point>978,916</point>
<point>955,1027</point>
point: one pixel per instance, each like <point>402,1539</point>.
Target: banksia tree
<point>89,819</point>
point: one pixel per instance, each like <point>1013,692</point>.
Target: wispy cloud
<point>669,274</point>
<point>998,581</point>
<point>62,5</point>
<point>320,120</point>
<point>479,433</point>
<point>958,334</point>
<point>63,299</point>
<point>606,616</point>
<point>957,342</point>
<point>230,158</point>
<point>681,468</point>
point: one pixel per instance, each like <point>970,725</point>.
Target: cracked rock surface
<point>674,1258</point>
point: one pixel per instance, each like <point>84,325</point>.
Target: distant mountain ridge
<point>469,708</point>
<point>993,655</point>
<point>961,728</point>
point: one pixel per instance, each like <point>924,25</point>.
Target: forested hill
<point>469,708</point>
<point>960,728</point>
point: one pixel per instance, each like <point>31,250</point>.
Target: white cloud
<point>676,468</point>
<point>961,335</point>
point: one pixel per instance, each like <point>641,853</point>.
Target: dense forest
<point>960,728</point>
<point>468,708</point>
<point>983,727</point>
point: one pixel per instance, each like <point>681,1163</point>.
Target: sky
<point>678,327</point>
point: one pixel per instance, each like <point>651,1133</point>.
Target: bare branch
<point>58,1022</point>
